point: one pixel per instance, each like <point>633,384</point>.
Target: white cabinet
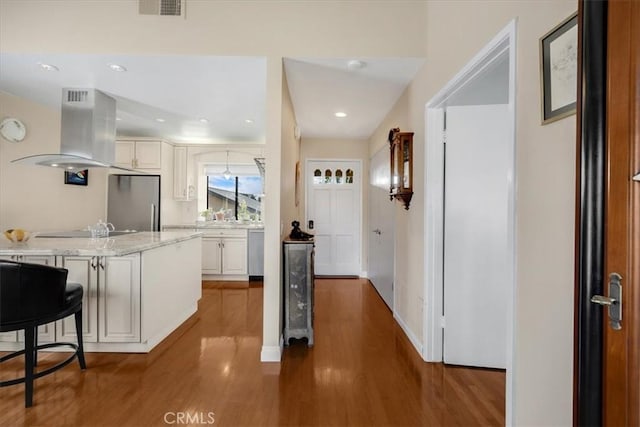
<point>211,255</point>
<point>139,154</point>
<point>224,252</point>
<point>119,299</point>
<point>234,256</point>
<point>83,270</point>
<point>181,188</point>
<point>111,299</point>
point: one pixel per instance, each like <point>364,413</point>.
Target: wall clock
<point>13,130</point>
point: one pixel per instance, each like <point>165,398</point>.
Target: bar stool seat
<point>32,295</point>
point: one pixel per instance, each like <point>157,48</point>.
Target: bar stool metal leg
<point>81,360</point>
<point>28,366</point>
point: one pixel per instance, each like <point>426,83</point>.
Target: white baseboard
<point>412,337</point>
<point>270,353</point>
<point>364,275</point>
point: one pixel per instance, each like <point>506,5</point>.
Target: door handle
<point>636,177</point>
<point>613,302</point>
<point>377,231</point>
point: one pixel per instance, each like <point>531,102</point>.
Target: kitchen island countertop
<point>106,246</point>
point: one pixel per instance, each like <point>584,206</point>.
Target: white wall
<point>34,197</point>
<point>545,165</point>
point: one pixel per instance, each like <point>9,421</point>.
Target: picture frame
<point>77,178</point>
<point>297,184</point>
<point>559,70</point>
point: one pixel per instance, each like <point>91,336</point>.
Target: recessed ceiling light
<point>118,119</point>
<point>118,68</point>
<point>70,167</point>
<point>55,165</point>
<point>355,64</point>
<point>159,120</point>
<point>203,120</point>
<point>248,121</point>
<point>48,67</point>
<point>341,114</point>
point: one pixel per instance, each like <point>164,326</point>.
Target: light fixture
<point>118,119</point>
<point>227,173</point>
<point>48,67</point>
<point>55,165</point>
<point>203,120</point>
<point>248,121</point>
<point>117,68</point>
<point>159,120</point>
<point>341,114</point>
<point>70,167</point>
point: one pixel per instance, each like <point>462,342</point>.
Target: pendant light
<point>227,173</point>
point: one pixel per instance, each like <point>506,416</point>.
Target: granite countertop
<point>217,224</point>
<point>106,246</point>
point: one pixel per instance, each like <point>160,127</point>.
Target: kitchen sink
<point>81,233</point>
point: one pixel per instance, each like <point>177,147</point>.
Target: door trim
<point>590,199</point>
<point>504,42</point>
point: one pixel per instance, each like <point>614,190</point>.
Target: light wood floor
<point>362,371</point>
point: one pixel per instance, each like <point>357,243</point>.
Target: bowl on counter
<point>17,235</point>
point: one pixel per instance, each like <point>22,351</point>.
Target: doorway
<point>458,231</point>
<point>334,215</point>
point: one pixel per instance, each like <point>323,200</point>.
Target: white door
<point>476,268</point>
<point>334,206</point>
<point>381,227</point>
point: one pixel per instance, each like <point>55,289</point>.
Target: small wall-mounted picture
<point>76,178</point>
<point>559,65</point>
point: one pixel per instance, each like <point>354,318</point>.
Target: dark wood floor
<point>362,371</point>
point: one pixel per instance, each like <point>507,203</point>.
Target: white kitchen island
<point>138,288</point>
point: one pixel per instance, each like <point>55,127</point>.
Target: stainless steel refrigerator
<point>134,202</point>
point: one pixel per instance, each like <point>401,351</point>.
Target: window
<point>221,195</point>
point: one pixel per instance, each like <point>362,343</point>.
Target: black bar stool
<point>32,295</point>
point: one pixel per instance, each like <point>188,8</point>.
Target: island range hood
<point>88,132</point>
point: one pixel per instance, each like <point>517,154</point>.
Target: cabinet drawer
<point>224,232</point>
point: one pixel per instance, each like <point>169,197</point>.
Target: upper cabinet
<point>181,188</point>
<point>139,154</point>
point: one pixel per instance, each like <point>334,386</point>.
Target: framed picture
<point>297,185</point>
<point>77,178</point>
<point>559,70</point>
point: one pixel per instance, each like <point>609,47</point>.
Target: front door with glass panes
<point>334,215</point>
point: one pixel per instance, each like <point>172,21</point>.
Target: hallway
<point>361,371</point>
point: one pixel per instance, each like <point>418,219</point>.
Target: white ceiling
<point>227,91</point>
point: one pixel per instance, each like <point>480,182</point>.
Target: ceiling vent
<point>161,7</point>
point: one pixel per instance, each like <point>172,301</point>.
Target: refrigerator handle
<point>153,217</point>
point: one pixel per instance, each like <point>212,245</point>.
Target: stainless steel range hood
<point>88,132</point>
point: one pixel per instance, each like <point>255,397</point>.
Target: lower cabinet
<point>119,299</point>
<point>83,270</point>
<point>224,252</point>
<point>111,300</point>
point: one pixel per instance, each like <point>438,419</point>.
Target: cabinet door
<point>180,173</point>
<point>148,155</point>
<point>125,153</point>
<point>83,270</point>
<point>119,299</point>
<point>234,256</point>
<point>46,333</point>
<point>211,254</point>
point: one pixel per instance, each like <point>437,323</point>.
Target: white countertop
<point>106,246</point>
<point>217,224</point>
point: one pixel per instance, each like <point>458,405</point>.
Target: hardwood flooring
<point>362,371</point>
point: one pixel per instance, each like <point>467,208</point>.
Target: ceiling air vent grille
<point>77,96</point>
<point>160,7</point>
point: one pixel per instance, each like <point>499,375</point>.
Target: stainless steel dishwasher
<point>255,254</point>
